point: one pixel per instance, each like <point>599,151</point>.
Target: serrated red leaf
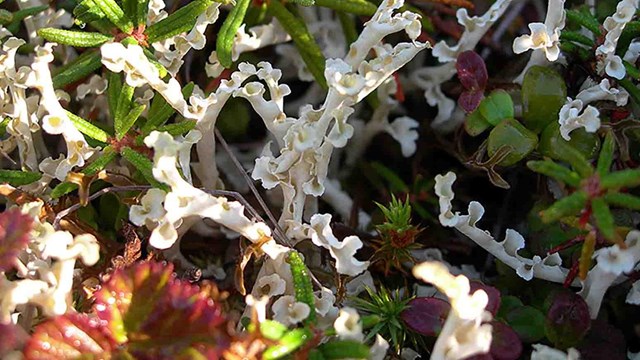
<point>69,336</point>
<point>472,70</point>
<point>143,311</point>
<point>146,305</point>
<point>14,236</point>
<point>426,315</point>
<point>131,291</point>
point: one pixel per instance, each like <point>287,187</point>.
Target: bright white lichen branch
<point>45,268</point>
<point>301,167</point>
<point>464,332</point>
<point>577,113</point>
<point>544,39</point>
<point>612,262</point>
<point>607,60</point>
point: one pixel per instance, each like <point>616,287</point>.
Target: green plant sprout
<point>387,306</point>
<point>596,189</point>
<point>397,235</point>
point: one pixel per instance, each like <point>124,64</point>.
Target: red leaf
<point>147,303</point>
<point>14,236</point>
<point>469,100</point>
<point>69,336</point>
<point>426,315</point>
<point>472,71</point>
<point>143,311</point>
<point>567,320</point>
<point>505,343</point>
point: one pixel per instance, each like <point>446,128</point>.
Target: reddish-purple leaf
<point>492,293</point>
<point>135,289</point>
<point>14,236</point>
<point>505,343</point>
<point>69,336</point>
<point>469,100</point>
<point>142,311</point>
<point>426,315</point>
<point>147,302</point>
<point>472,71</point>
<point>12,337</point>
<point>567,320</point>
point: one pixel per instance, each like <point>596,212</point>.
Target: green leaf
<point>289,343</point>
<point>632,71</point>
<point>303,2</point>
<point>631,89</point>
<point>233,121</point>
<point>113,92</point>
<point>18,177</point>
<point>623,200</point>
<point>114,13</point>
<point>123,126</point>
<point>87,128</point>
<point>227,33</point>
<point>507,304</point>
<point>606,154</point>
<point>5,17</point>
<point>475,124</point>
<point>544,92</point>
<point>179,128</point>
<point>142,8</point>
<point>556,171</point>
<point>344,349</point>
<point>588,21</point>
<point>160,111</point>
<point>77,69</point>
<point>144,165</point>
<point>358,7</point>
<point>576,37</point>
<point>272,330</point>
<point>511,133</point>
<point>180,21</point>
<point>630,32</point>
<point>304,41</point>
<point>18,16</point>
<point>302,284</point>
<point>496,107</point>
<point>566,206</point>
<point>74,38</point>
<point>123,108</point>
<point>604,218</point>
<point>396,184</point>
<point>87,11</point>
<point>107,156</point>
<point>582,146</point>
<point>620,179</point>
<point>528,322</point>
